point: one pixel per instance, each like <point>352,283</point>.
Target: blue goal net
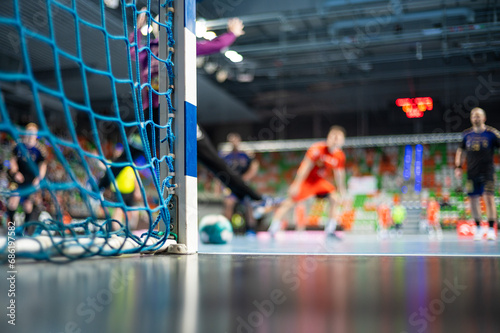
<point>81,134</point>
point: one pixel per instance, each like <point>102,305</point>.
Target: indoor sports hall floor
<point>315,242</point>
<point>298,282</point>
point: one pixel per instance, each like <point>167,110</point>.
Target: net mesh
<point>85,74</point>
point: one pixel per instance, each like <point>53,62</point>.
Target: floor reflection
<point>249,293</point>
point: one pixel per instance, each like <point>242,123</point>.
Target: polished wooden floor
<point>261,292</point>
<point>315,242</point>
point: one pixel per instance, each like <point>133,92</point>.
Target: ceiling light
<point>209,35</point>
<point>245,77</point>
<point>201,28</point>
<point>233,56</point>
<point>200,62</point>
<point>365,66</point>
<point>210,67</point>
<point>221,75</point>
<point>112,3</point>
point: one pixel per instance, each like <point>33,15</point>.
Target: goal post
<point>114,104</point>
<point>184,99</point>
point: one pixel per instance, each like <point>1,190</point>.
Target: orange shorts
<point>308,189</point>
<point>384,222</point>
<point>433,221</point>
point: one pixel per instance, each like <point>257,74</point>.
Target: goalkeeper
<point>207,154</point>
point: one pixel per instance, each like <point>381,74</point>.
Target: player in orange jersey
<point>384,219</point>
<point>433,209</point>
<point>311,179</point>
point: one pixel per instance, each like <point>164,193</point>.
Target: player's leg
<point>251,222</point>
<point>431,230</point>
<point>398,216</point>
<point>439,232</point>
<point>475,208</point>
<point>133,219</point>
<point>284,207</point>
<point>382,233</point>
<point>117,218</point>
<point>437,228</point>
<point>3,218</point>
<point>491,212</point>
<point>331,225</point>
<point>12,204</point>
<point>28,208</point>
<point>130,200</point>
<point>398,226</point>
<point>475,189</point>
<point>229,204</point>
<point>135,200</point>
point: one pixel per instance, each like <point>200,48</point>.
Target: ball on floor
<point>215,229</point>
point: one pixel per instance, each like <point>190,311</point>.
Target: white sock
<point>331,226</point>
<point>275,225</point>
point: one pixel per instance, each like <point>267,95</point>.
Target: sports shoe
<point>251,234</point>
<point>479,234</point>
<point>382,234</point>
<point>258,212</point>
<point>439,234</point>
<point>266,205</point>
<point>274,228</point>
<point>432,234</point>
<point>492,234</point>
<point>334,236</point>
<point>330,228</point>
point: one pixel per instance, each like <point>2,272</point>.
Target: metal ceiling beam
<point>381,40</point>
<point>436,16</point>
<point>337,12</point>
<point>355,78</point>
<point>310,63</point>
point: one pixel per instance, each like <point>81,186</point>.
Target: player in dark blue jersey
<point>244,166</point>
<point>478,145</point>
<point>27,168</point>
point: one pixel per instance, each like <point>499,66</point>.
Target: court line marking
<point>465,255</point>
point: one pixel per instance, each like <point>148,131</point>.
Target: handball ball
<point>215,229</point>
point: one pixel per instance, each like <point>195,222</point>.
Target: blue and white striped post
<point>184,99</point>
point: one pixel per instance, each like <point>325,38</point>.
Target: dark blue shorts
<point>21,187</point>
<point>480,185</point>
<point>128,199</point>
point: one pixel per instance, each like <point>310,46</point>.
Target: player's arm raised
<point>305,168</point>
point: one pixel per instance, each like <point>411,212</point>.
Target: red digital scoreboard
<point>415,107</point>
